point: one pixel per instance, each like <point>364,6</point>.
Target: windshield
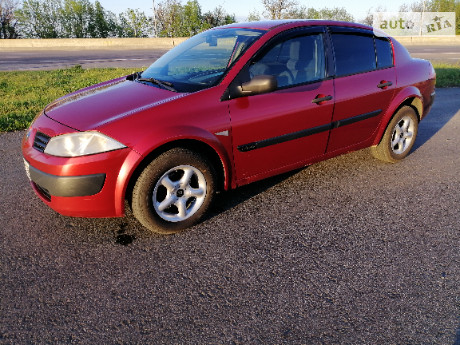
<point>201,61</point>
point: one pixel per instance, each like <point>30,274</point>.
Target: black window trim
<point>284,36</point>
<point>359,32</point>
<point>376,55</point>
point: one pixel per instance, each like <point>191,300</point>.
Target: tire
<point>399,136</point>
<point>174,191</point>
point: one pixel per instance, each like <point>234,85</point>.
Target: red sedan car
<point>230,106</point>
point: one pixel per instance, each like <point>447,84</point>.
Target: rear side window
<point>384,53</point>
<point>353,53</point>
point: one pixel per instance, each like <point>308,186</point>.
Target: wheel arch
<point>219,162</point>
<point>411,97</point>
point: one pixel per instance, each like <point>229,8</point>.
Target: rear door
<point>364,86</point>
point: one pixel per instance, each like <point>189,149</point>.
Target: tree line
<point>85,19</point>
<point>170,18</point>
<point>290,9</point>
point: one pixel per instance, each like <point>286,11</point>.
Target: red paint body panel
<point>197,116</point>
<point>291,130</point>
<point>93,107</point>
<point>112,164</point>
<point>351,102</point>
<point>285,111</point>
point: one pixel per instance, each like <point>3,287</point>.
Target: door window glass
<point>353,53</point>
<point>384,53</point>
<point>295,61</point>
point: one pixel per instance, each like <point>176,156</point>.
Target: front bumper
<point>68,186</point>
<point>87,186</point>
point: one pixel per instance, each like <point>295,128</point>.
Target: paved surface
<point>41,59</point>
<point>347,251</point>
<point>436,53</point>
<point>52,59</point>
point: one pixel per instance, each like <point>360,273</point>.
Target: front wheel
<point>174,191</point>
<point>399,136</point>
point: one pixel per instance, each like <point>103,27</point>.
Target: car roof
<point>271,24</point>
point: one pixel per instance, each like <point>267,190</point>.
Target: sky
<point>242,8</point>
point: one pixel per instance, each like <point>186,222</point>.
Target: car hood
<point>100,104</point>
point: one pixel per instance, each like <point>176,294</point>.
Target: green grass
<point>24,94</point>
<point>447,75</point>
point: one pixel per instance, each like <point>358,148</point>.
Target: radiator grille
<point>40,141</point>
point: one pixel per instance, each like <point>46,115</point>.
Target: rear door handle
<point>321,99</point>
<point>384,84</point>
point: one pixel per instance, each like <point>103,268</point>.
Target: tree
<point>40,18</point>
<point>82,18</point>
<point>301,12</point>
<point>175,19</point>
<point>76,18</point>
<point>336,13</point>
<point>254,16</point>
<point>8,20</point>
<point>289,9</point>
<point>369,20</point>
<point>447,6</point>
<point>134,23</point>
<point>192,20</point>
<point>277,9</point>
<point>217,17</point>
<point>169,17</point>
<point>103,24</point>
<point>418,6</point>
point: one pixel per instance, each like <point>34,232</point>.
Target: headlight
<point>81,144</point>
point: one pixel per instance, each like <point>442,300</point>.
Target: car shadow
<point>442,112</point>
<point>457,338</point>
<point>439,116</point>
<point>227,200</point>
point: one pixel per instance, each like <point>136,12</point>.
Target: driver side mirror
<point>258,85</point>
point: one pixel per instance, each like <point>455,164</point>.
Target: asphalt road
<point>347,251</point>
<point>140,59</point>
<point>60,58</point>
<point>436,53</point>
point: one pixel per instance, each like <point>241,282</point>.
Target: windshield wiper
<point>134,76</point>
<point>164,84</point>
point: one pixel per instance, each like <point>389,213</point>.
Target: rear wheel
<point>174,191</point>
<point>399,137</point>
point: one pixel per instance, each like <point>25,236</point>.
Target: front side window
<point>202,61</point>
<point>295,61</point>
<point>353,53</point>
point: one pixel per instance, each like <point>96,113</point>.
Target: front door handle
<point>321,99</point>
<point>384,84</point>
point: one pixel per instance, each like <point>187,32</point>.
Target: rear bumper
<point>433,96</point>
<point>429,104</point>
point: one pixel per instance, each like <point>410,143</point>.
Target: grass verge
<point>23,94</point>
<point>447,75</point>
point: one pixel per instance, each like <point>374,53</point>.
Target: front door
<point>277,131</point>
